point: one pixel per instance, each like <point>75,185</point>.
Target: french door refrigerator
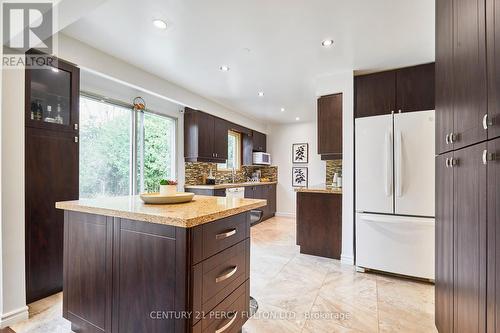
<point>395,193</point>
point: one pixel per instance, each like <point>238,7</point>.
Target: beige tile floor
<point>301,293</point>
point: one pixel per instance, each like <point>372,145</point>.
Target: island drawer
<point>230,315</point>
<point>217,277</point>
<point>213,237</point>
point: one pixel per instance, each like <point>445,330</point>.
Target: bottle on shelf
<point>33,110</point>
<point>59,118</point>
<point>49,118</point>
<point>39,111</point>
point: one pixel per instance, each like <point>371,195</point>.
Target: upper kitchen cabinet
<point>444,75</point>
<point>330,127</point>
<point>52,96</point>
<point>469,82</point>
<point>403,90</point>
<point>375,94</point>
<point>415,88</point>
<point>461,84</point>
<point>259,141</point>
<point>492,121</point>
<point>205,137</point>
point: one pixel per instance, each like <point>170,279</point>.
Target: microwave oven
<point>261,159</point>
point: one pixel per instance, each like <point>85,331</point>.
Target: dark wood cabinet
<point>259,141</point>
<point>444,75</point>
<point>493,61</point>
<point>219,192</point>
<point>402,90</point>
<point>205,137</point>
<point>469,180</point>
<point>221,128</point>
<point>330,126</point>
<point>266,192</point>
<point>375,94</point>
<point>415,88</point>
<point>444,244</point>
<point>493,184</point>
<point>117,277</point>
<point>469,63</point>
<point>319,224</point>
<point>51,172</point>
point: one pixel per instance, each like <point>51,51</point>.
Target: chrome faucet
<point>233,174</point>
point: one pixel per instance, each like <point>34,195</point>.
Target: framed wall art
<point>300,153</point>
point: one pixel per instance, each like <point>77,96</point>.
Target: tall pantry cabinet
<point>467,166</point>
<point>51,170</point>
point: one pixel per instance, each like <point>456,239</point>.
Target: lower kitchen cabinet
<point>461,237</point>
<point>266,192</point>
<point>319,224</point>
<point>220,192</point>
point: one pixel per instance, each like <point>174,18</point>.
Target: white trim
<point>346,259</point>
<point>283,214</point>
<point>13,317</point>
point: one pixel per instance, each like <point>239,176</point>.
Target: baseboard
<point>345,259</point>
<point>13,317</point>
<point>283,214</point>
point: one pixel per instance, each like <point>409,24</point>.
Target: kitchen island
<point>132,267</point>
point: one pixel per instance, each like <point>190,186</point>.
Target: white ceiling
<point>270,45</point>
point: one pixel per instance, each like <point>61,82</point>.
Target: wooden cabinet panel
<point>220,138</point>
<point>444,75</point>
<point>493,61</point>
<point>375,94</point>
<point>259,142</point>
<point>319,224</point>
<point>249,192</point>
<point>205,123</point>
<point>444,244</point>
<point>330,126</point>
<point>469,82</point>
<point>90,274</point>
<point>470,240</point>
<point>415,88</point>
<point>51,164</point>
<point>493,302</point>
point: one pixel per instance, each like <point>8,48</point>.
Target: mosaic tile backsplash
<point>194,172</point>
<point>332,167</point>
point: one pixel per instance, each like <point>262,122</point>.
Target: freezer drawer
<point>396,244</point>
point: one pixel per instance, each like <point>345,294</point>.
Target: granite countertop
<point>320,188</point>
<point>227,185</point>
<point>202,209</point>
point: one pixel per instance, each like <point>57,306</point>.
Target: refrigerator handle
<point>399,164</point>
<point>388,163</point>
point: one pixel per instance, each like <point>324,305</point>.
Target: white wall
<point>281,138</point>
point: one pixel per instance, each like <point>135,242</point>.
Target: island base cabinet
<point>124,276</point>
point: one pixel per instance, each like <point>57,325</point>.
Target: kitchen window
<point>233,152</point>
<point>123,152</point>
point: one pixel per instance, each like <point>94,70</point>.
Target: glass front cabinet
<point>52,96</point>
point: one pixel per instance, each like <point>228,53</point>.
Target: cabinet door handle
<point>453,162</point>
<point>447,162</point>
<point>488,157</point>
<point>228,324</point>
<point>447,139</point>
<point>487,122</point>
<point>75,126</point>
<point>225,234</point>
<point>453,137</point>
<point>227,275</point>
<point>76,139</point>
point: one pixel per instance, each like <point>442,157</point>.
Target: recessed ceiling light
<point>261,94</point>
<point>297,118</point>
<point>327,42</point>
<point>160,24</point>
<point>224,68</point>
<point>282,109</point>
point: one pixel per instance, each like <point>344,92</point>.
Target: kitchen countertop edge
<point>224,186</point>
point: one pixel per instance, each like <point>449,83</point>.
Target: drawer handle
<point>228,324</point>
<point>227,275</point>
<point>225,234</point>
